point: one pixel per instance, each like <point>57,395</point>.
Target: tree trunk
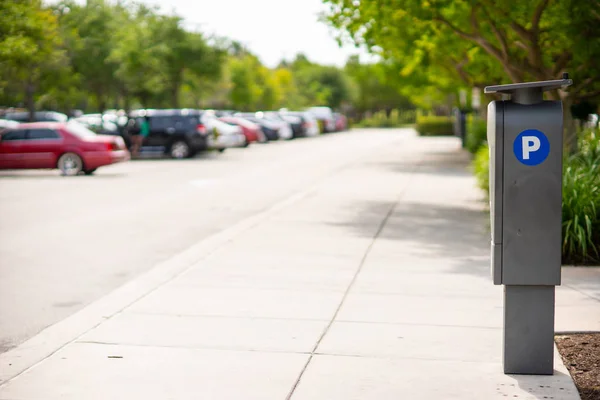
<point>29,100</point>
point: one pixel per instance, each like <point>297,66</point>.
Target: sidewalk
<point>374,285</point>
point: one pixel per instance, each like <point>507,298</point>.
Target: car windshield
<point>79,130</point>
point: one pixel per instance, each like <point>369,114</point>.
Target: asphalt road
<point>67,241</point>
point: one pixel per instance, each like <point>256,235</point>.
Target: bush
<point>581,203</point>
<point>435,126</point>
<point>476,135</point>
<point>396,119</point>
<point>481,167</point>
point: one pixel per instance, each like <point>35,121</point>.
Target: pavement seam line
<point>355,277</point>
<point>582,293</point>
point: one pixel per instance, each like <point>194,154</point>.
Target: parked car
<point>341,122</point>
<point>251,130</point>
<point>294,122</point>
<point>285,128</point>
<point>179,133</point>
<point>6,123</point>
<point>325,117</point>
<point>309,122</point>
<point>269,129</point>
<point>98,123</point>
<point>38,116</point>
<point>69,147</point>
<point>222,135</point>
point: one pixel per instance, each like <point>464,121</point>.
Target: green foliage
<point>481,168</point>
<point>396,118</point>
<point>476,134</point>
<point>377,89</point>
<point>31,49</point>
<point>581,202</point>
<point>101,54</point>
<point>435,126</point>
<point>441,46</point>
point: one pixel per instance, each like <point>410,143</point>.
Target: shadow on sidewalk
<point>432,231</point>
<point>451,162</point>
<point>532,384</point>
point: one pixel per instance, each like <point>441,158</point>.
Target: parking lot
<point>66,241</point>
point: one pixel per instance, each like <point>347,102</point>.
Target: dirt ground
<point>581,355</point>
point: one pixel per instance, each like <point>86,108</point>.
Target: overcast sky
<point>272,29</point>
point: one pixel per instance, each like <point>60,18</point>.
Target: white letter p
<point>531,144</point>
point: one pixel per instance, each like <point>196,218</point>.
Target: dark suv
<point>176,132</point>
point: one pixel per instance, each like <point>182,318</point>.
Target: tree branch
<point>499,34</point>
<point>537,16</point>
<point>590,95</point>
<point>484,44</point>
<point>519,29</point>
<point>458,31</point>
<point>561,63</point>
<point>521,45</point>
<point>582,85</point>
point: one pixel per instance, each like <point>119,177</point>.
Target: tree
<point>88,33</point>
<point>182,52</point>
<point>138,56</point>
<point>319,84</point>
<point>30,47</point>
<point>378,87</point>
<point>483,41</point>
<point>245,92</point>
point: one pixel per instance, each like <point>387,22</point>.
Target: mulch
<point>581,355</point>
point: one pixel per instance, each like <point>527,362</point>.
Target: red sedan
<point>69,147</point>
<point>251,131</point>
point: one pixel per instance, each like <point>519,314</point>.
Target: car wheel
<point>90,171</point>
<point>70,164</point>
<point>179,150</point>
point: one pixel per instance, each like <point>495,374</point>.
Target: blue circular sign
<point>531,147</point>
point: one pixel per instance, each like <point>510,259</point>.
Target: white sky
<point>271,29</point>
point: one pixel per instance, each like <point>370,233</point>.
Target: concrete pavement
<point>370,283</point>
<point>102,231</point>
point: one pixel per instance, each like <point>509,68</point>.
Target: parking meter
<point>525,144</point>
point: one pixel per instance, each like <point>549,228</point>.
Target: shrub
<point>581,203</point>
<point>476,135</point>
<point>481,167</point>
<point>435,126</point>
<point>397,118</point>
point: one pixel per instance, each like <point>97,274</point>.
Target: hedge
<point>435,126</point>
<point>476,134</point>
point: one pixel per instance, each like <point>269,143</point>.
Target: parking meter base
<point>528,345</point>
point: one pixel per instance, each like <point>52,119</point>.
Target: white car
<point>310,123</point>
<point>324,114</point>
<point>6,123</point>
<point>222,135</point>
<point>284,128</point>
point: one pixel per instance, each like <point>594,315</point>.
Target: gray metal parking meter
<point>525,143</point>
